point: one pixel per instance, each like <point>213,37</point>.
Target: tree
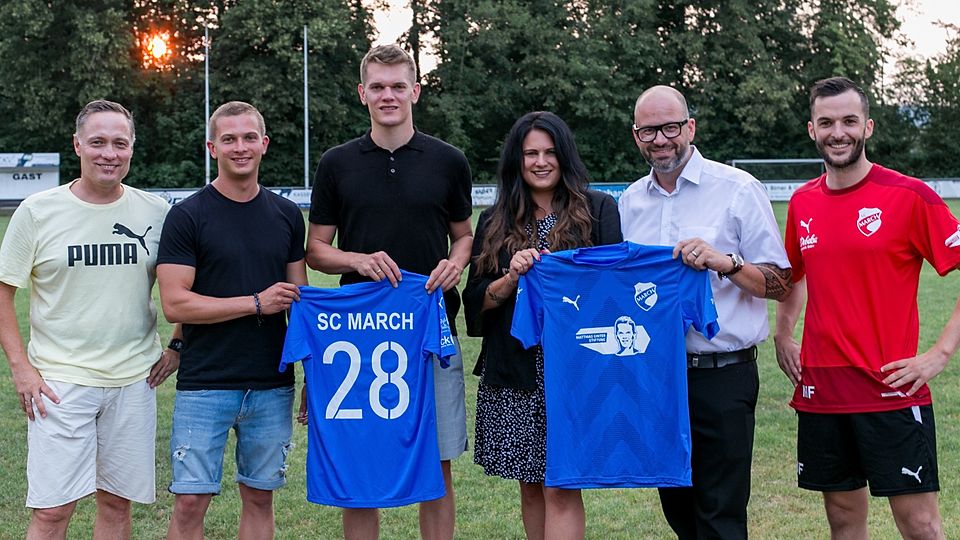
<point>94,50</point>
<point>745,67</point>
<point>53,62</point>
<point>583,60</point>
<point>848,38</point>
<point>257,56</point>
<point>737,61</point>
<point>936,154</point>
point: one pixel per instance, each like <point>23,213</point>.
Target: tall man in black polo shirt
<point>397,198</point>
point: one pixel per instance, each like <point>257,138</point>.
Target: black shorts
<point>894,451</point>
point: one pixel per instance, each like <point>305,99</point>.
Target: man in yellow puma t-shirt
<point>87,250</point>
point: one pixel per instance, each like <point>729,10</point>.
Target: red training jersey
<point>861,249</point>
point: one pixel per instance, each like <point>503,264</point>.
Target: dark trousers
<point>722,405</point>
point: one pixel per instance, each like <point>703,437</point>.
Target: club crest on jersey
<point>645,295</point>
<point>624,338</point>
<point>868,222</point>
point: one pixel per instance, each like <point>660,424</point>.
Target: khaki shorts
<point>449,393</point>
<point>95,439</point>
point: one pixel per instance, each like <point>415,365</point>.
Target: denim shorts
<point>202,419</point>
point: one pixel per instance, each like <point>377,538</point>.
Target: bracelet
<point>256,300</point>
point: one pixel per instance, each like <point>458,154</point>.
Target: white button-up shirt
<point>729,209</point>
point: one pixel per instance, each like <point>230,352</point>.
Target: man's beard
<point>667,165</point>
<point>854,156</point>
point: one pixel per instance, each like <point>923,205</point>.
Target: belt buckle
<point>695,360</point>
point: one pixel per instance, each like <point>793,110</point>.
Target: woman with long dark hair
<point>543,204</point>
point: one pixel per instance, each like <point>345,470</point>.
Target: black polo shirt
<point>400,202</point>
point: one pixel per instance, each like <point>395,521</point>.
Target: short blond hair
<point>103,105</point>
<point>389,55</point>
<point>236,108</point>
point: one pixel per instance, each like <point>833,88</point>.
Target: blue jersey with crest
<point>367,350</point>
<point>612,321</point>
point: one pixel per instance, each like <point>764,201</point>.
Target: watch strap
<point>737,266</point>
<point>176,345</point>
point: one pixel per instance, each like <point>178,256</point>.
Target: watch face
<point>737,259</point>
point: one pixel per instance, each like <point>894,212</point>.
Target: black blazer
<point>506,363</point>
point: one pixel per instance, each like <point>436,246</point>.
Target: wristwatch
<point>737,266</point>
<point>176,345</point>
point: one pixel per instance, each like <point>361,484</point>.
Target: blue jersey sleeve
<point>697,303</point>
<point>527,323</point>
<point>296,345</point>
<point>438,339</point>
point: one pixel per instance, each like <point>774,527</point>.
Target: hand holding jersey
<point>276,298</point>
<point>376,266</point>
<point>444,277</point>
<point>699,254</point>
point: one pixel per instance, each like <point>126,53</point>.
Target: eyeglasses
<point>670,130</point>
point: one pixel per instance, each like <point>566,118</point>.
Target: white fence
<point>485,195</point>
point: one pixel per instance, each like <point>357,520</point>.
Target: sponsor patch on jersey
<point>810,240</point>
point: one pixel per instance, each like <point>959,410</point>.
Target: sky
<point>918,23</point>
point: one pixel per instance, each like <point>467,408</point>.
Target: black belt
<point>721,359</point>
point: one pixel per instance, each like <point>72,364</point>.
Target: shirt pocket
<point>707,234</point>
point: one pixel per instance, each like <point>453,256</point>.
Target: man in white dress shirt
<point>718,218</point>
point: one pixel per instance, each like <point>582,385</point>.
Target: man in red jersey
<point>857,237</point>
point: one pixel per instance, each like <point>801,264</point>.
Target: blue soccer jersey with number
<point>367,350</point>
<point>612,321</point>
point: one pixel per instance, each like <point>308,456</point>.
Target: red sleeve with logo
<point>862,249</point>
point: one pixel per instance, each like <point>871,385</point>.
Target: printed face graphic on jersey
<point>623,338</point>
<point>627,335</point>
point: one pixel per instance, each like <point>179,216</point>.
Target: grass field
<point>488,508</point>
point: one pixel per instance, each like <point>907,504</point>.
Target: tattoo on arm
<point>497,299</point>
<point>778,282</point>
